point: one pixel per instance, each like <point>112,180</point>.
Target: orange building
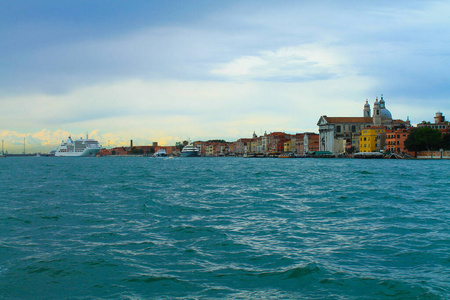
<point>313,142</point>
<point>395,141</point>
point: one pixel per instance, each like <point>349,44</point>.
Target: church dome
<point>385,114</point>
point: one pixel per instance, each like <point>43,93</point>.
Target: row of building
<point>270,144</point>
<point>375,131</point>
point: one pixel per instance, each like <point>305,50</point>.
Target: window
<point>364,139</point>
<point>353,128</point>
<point>338,128</point>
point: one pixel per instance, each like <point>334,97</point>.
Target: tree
<point>423,138</point>
<point>446,141</point>
<point>180,145</point>
<point>216,141</point>
<point>136,151</point>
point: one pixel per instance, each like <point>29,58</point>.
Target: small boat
<point>287,155</point>
<point>368,155</point>
<point>161,153</point>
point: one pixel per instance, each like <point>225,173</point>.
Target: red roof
<point>348,119</point>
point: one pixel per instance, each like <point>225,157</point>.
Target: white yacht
<point>161,153</point>
<point>80,147</point>
<point>190,151</point>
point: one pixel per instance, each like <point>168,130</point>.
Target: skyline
<point>170,71</point>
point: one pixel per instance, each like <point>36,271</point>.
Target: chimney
<point>155,144</point>
<point>131,143</point>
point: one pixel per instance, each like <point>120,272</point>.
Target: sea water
<point>209,228</point>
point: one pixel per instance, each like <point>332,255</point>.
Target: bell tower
<point>366,111</point>
<point>377,113</point>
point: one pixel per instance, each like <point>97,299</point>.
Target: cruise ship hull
<point>190,151</point>
<point>190,154</point>
<point>85,153</point>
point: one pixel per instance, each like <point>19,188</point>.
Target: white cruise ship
<point>80,147</point>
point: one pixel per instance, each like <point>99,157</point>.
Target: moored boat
<point>190,151</point>
<point>161,153</point>
<point>287,155</point>
<point>78,148</point>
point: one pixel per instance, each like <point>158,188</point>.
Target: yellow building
<point>372,139</point>
<point>287,146</point>
<point>254,145</point>
<point>209,151</point>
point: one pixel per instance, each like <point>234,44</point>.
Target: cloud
<point>304,62</point>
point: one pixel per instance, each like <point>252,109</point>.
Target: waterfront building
<point>334,132</point>
<point>439,124</point>
<point>372,139</point>
<point>254,145</point>
<point>221,149</point>
<point>276,142</point>
<point>310,142</point>
<point>395,141</point>
<point>201,147</point>
<point>287,146</point>
<point>303,143</point>
<point>262,143</point>
<point>209,150</point>
<point>338,134</point>
<point>232,148</point>
<point>215,148</point>
<point>242,146</point>
<point>297,143</point>
<point>120,150</point>
<point>355,142</point>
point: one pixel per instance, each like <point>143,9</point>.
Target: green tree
<point>180,145</point>
<point>423,138</point>
<point>217,141</point>
<point>136,151</point>
<point>446,141</point>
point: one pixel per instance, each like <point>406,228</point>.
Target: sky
<point>168,71</point>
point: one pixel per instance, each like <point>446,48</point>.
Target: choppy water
<point>146,228</point>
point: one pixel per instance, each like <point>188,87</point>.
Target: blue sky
<point>171,70</point>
